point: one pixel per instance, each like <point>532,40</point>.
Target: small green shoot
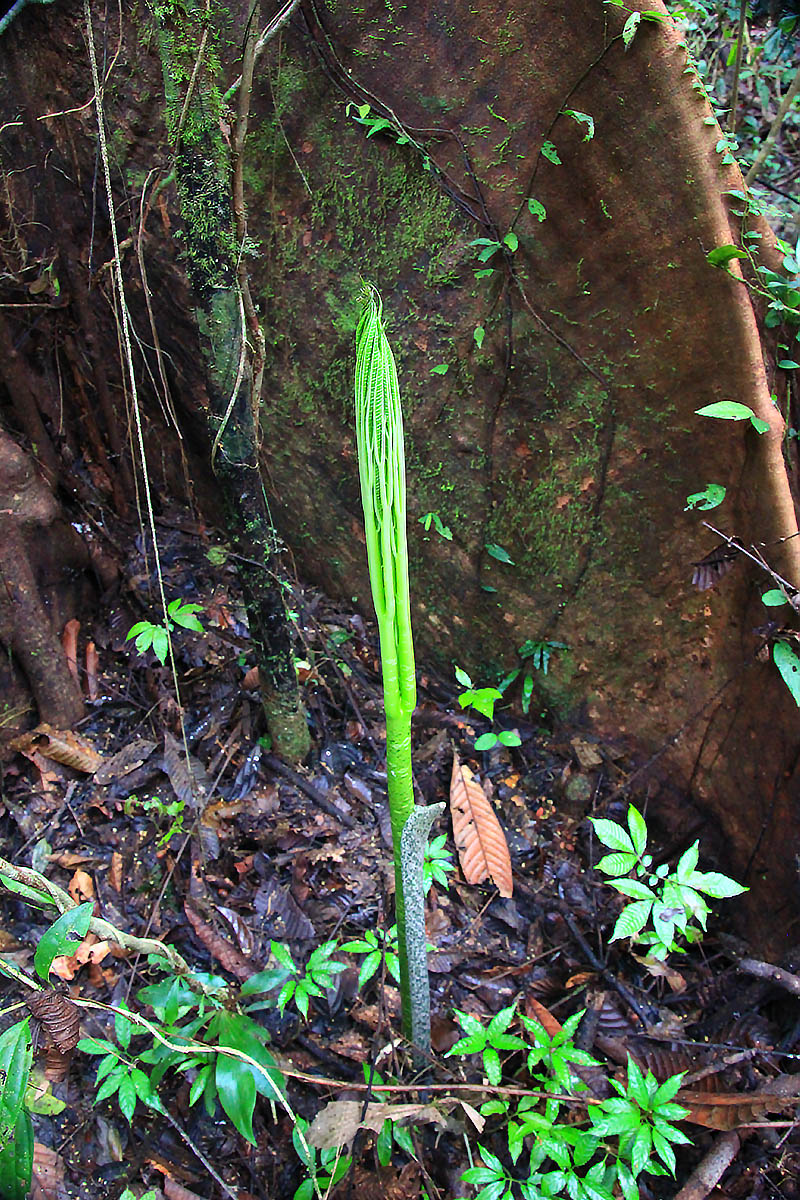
<point>433,518</point>
<point>483,701</point>
<point>149,635</point>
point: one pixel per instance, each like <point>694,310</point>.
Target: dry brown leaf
<point>224,951</point>
<point>59,1016</point>
<point>115,872</point>
<point>69,640</point>
<point>60,745</point>
<point>340,1120</point>
<point>538,1012</point>
<point>737,1109</point>
<point>92,667</point>
<point>480,841</point>
<point>48,1173</point>
<point>128,759</point>
<point>81,886</point>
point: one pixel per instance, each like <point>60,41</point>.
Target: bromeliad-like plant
<point>382,472</point>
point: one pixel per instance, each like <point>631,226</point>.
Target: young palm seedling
<point>382,472</point>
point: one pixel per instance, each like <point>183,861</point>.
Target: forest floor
<point>227,852</point>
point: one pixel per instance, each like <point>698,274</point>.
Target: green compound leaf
<point>788,664</point>
<point>60,938</point>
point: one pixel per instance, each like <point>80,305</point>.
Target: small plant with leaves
<point>172,811</point>
<point>535,656</point>
<point>621,1138</point>
<point>483,700</point>
<point>323,1172</point>
<point>377,947</point>
<point>667,905</point>
<point>438,862</point>
<point>296,984</point>
<point>150,636</point>
<point>433,518</point>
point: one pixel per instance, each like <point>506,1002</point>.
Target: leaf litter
<point>231,852</point>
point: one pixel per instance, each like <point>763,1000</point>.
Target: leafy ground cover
<point>274,885</point>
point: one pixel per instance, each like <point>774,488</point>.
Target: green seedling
<point>669,902</point>
<point>483,701</point>
<point>433,518</point>
<point>149,635</point>
<point>296,984</point>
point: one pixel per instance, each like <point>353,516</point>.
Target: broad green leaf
<point>638,829</point>
<point>512,241</point>
<point>536,209</point>
<point>630,27</point>
<point>283,955</point>
<point>442,369</point>
<point>126,1098</point>
<point>788,364</point>
<point>632,920</point>
<point>499,553</point>
<point>237,1093</point>
<point>160,643</point>
<point>264,981</point>
<point>634,888</point>
<point>788,664</point>
<point>687,863</point>
<point>669,1088</point>
<point>711,496</point>
<point>463,678</point>
<point>716,885</point>
<point>721,255</point>
<point>479,333</point>
<point>759,425</point>
<point>59,940</point>
<point>486,741</point>
<point>550,153</point>
<point>773,598</point>
<point>16,1061</point>
<point>612,835</point>
<point>726,410</point>
<point>509,737</point>
<point>16,1161</point>
<point>617,864</point>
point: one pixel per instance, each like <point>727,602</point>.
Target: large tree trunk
<point>568,436</point>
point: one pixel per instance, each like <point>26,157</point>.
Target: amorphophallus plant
<point>382,471</point>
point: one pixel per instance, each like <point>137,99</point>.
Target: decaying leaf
<point>735,1110</point>
<point>224,951</point>
<point>129,758</point>
<point>48,1173</point>
<point>193,788</point>
<point>59,1016</point>
<point>480,841</point>
<point>340,1120</point>
<point>62,746</point>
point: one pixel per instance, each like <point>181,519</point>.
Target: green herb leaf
<point>536,209</point>
<point>788,664</point>
<point>59,937</point>
<point>442,369</point>
<point>499,553</point>
<point>479,333</point>
<point>726,410</point>
<point>721,255</point>
<point>773,598</point>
